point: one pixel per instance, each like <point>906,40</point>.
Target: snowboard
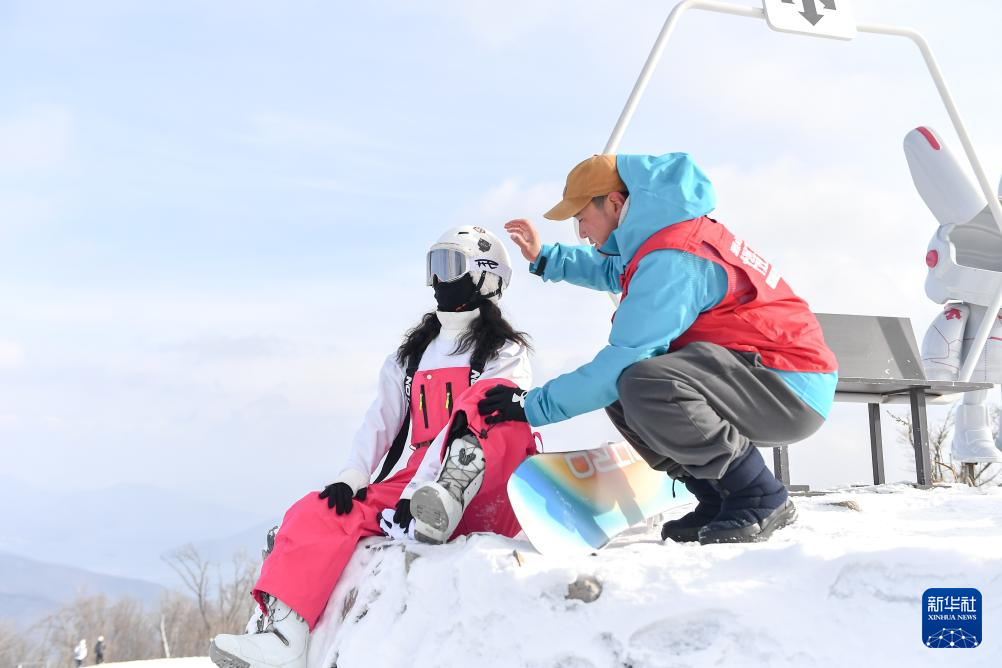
<point>577,502</point>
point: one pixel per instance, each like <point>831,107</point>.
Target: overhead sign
<point>822,18</point>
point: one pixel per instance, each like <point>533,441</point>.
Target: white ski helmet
<point>470,250</point>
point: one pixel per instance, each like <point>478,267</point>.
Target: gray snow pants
<point>693,411</point>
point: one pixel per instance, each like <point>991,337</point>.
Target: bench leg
<point>876,444</point>
<point>920,438</point>
<point>781,464</point>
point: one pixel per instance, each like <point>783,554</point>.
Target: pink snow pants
<point>314,543</point>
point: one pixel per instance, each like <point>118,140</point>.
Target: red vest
<point>433,397</point>
<point>759,312</point>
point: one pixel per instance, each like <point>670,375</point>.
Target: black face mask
<point>458,295</point>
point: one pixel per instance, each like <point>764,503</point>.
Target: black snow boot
<point>754,503</point>
<point>686,528</point>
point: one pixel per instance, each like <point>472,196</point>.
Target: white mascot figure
<point>965,273</point>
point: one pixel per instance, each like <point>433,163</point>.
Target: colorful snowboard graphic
<point>576,502</point>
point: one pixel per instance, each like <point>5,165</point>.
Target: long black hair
<point>485,337</point>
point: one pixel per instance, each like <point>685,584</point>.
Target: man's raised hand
<point>525,236</point>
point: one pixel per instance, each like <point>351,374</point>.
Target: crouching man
<point>710,352</point>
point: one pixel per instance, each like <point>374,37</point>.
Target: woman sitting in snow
<point>454,481</point>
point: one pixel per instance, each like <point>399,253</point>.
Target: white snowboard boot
<point>438,506</point>
<point>973,442</point>
<point>280,641</point>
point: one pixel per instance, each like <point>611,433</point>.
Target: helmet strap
<point>496,292</point>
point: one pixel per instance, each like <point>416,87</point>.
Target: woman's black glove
<point>402,517</point>
<point>339,495</point>
<point>508,402</point>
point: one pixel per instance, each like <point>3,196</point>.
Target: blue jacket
<point>668,292</point>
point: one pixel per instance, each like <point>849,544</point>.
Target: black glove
<point>339,494</point>
<point>402,517</point>
<point>508,402</point>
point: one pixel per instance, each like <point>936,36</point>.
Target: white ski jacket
<point>386,414</point>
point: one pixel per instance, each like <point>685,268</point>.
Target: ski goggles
<point>448,265</point>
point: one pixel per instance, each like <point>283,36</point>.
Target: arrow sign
<point>805,17</point>
<point>811,12</point>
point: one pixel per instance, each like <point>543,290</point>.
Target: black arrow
<point>811,12</point>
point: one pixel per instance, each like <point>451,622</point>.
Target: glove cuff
<point>354,479</point>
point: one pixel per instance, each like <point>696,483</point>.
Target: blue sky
<point>213,217</point>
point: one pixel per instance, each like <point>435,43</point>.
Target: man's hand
<point>339,496</point>
<point>525,236</point>
<point>508,402</point>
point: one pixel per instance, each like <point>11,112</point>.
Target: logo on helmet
<point>486,264</point>
<point>484,245</point>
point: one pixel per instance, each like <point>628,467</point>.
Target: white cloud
<point>772,92</point>
<point>299,132</point>
<point>494,24</point>
<point>293,340</point>
<point>11,354</point>
<point>19,210</point>
<point>501,25</point>
<point>512,198</point>
<point>38,138</point>
<point>239,348</point>
<point>844,241</point>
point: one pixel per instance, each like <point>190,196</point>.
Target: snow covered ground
<point>186,662</point>
<point>841,587</point>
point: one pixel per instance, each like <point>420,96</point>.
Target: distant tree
<point>221,593</point>
<point>182,626</point>
<point>17,650</point>
<point>124,623</point>
<point>944,469</point>
<point>216,600</point>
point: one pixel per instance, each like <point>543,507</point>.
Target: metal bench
<point>879,363</point>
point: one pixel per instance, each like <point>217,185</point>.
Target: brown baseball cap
<point>597,176</point>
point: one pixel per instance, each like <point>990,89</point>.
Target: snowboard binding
<point>438,506</point>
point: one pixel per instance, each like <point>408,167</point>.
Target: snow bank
<point>186,662</point>
<point>843,584</point>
